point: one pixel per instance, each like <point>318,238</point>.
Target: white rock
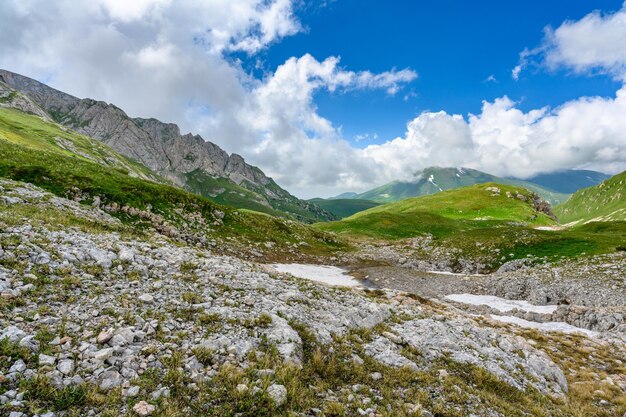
<point>146,298</point>
<point>46,360</point>
<point>278,394</point>
<point>66,366</point>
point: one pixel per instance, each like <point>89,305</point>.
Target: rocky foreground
<point>100,320</point>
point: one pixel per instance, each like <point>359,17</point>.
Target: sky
<point>344,95</point>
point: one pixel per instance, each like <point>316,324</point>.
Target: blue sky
<point>291,84</point>
<point>453,45</point>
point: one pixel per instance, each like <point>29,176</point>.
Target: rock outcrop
<point>159,146</point>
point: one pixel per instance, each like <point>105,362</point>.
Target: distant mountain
<point>343,195</point>
<point>569,181</point>
<point>435,179</point>
<point>186,160</point>
<point>603,202</point>
<point>344,207</point>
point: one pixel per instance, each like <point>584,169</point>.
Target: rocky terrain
<point>97,320</point>
<point>185,159</point>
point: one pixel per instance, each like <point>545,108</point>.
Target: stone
<point>46,360</point>
<point>278,394</point>
<point>376,376</point>
<point>18,366</point>
<point>109,380</point>
<point>104,337</point>
<point>66,366</point>
<point>13,333</point>
<point>103,354</point>
<point>142,408</point>
<point>132,391</point>
<point>146,298</point>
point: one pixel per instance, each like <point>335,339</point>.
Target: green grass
<point>34,133</point>
<point>506,232</point>
<point>442,213</point>
<point>29,153</point>
<point>603,202</point>
<point>344,207</point>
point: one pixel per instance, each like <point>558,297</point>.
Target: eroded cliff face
<point>161,147</point>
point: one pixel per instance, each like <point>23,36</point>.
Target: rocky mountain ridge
<point>162,148</point>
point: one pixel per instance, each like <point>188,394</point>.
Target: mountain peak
<point>187,160</point>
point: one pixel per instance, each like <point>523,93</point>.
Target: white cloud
<point>589,132</point>
<point>595,43</point>
<point>490,79</point>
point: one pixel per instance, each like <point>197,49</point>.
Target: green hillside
<point>435,179</point>
<point>71,165</point>
<point>344,207</point>
<point>440,214</point>
<point>603,202</point>
<point>481,224</point>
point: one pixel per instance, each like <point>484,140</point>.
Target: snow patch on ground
<point>331,275</point>
<point>456,274</point>
<point>499,303</point>
<point>550,326</point>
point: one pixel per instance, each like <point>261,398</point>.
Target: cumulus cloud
<point>595,43</point>
<point>589,132</point>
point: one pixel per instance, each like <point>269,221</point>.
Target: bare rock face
<point>159,146</point>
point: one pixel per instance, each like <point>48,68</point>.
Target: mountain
<point>349,194</point>
<point>344,207</point>
<point>73,166</point>
<point>184,159</point>
<point>442,213</point>
<point>435,179</point>
<point>569,181</point>
<point>603,202</point>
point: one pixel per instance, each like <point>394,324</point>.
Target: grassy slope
<point>344,207</point>
<point>453,219</point>
<point>29,131</point>
<point>28,153</point>
<point>603,202</point>
<point>441,213</point>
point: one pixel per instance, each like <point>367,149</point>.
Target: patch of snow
<point>499,303</point>
<point>454,274</point>
<point>384,195</point>
<point>549,228</point>
<point>550,326</point>
<point>331,275</point>
<point>431,180</point>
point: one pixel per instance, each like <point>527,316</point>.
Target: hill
<point>344,207</point>
<point>70,165</point>
<point>440,214</point>
<point>185,160</point>
<point>436,179</point>
<point>569,181</point>
<point>600,203</point>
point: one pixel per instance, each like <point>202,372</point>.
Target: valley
<point>129,289</point>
